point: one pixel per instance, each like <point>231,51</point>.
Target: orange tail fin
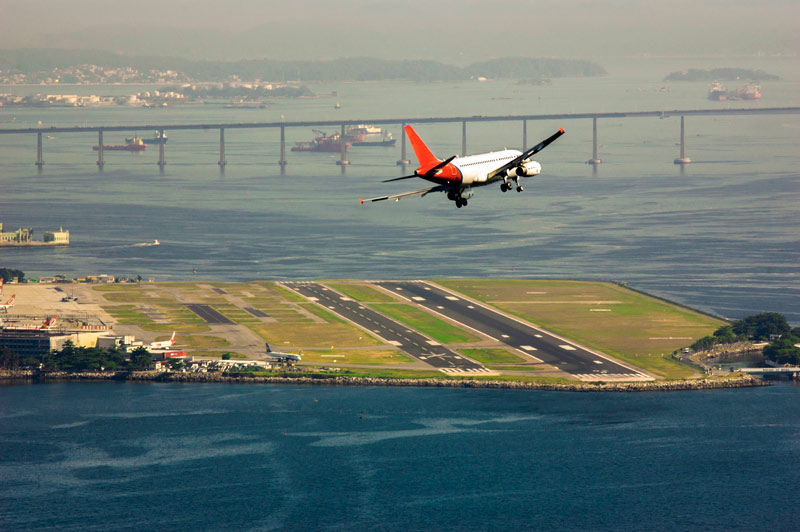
<point>424,155</point>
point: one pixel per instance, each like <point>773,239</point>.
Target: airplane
<point>1,286</point>
<point>49,322</point>
<point>8,304</point>
<point>458,176</point>
<point>166,344</point>
<point>282,357</point>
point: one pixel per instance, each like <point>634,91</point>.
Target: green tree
<point>71,358</point>
<point>140,359</point>
<point>226,356</point>
<point>783,350</point>
<point>759,327</point>
<point>10,273</point>
<point>725,335</point>
<point>8,358</point>
<point>29,362</point>
<point>704,343</point>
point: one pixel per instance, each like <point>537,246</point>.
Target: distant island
<point>50,67</point>
<point>720,74</point>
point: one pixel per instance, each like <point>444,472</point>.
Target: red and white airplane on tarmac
<point>8,304</point>
<point>457,176</point>
<point>166,344</point>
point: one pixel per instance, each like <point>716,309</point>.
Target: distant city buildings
<point>91,75</point>
<point>180,88</point>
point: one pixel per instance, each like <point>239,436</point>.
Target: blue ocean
<point>119,456</point>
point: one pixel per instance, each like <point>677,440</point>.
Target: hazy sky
<point>447,30</point>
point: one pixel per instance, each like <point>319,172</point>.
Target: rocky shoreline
<point>736,381</point>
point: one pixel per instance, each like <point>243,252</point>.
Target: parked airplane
<point>1,285</point>
<point>457,176</point>
<point>283,357</point>
<point>8,304</point>
<point>166,344</point>
<point>49,322</point>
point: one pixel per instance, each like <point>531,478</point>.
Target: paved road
<point>208,313</point>
<point>526,339</point>
<point>412,342</point>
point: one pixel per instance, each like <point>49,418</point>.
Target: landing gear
<point>520,189</point>
<point>505,187</point>
<point>459,197</point>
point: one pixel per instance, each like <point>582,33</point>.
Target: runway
<point>526,339</point>
<point>208,314</point>
<point>408,340</point>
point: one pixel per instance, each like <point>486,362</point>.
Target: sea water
<point>720,234</point>
<point>121,456</point>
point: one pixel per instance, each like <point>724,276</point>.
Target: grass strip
<point>415,318</point>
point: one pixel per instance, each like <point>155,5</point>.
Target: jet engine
<point>527,169</point>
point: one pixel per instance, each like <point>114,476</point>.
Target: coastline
<point>31,244</point>
<point>742,381</point>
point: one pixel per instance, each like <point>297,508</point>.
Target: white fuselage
<point>475,168</point>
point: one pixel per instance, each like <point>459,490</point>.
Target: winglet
<point>361,200</point>
<point>561,129</point>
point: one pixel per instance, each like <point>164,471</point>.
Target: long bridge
<point>464,120</point>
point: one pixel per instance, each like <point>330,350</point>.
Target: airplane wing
<point>421,192</point>
<point>526,154</point>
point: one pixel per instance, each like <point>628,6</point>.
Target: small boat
<point>147,244</point>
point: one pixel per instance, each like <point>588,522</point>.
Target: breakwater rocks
<point>735,381</point>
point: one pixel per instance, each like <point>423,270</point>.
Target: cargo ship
<point>365,135</point>
<point>134,144</point>
<point>155,140</point>
<point>751,91</point>
<point>323,143</point>
<point>717,92</point>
